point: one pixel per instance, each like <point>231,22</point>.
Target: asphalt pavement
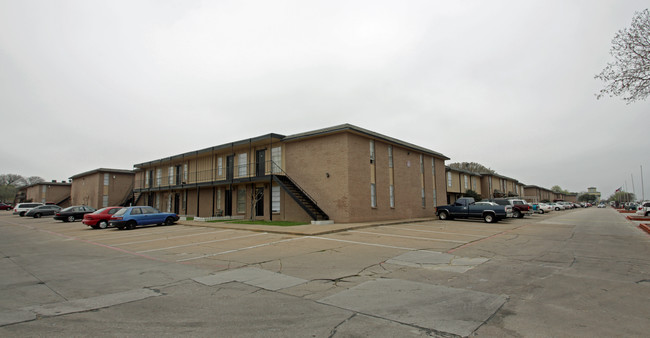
<point>580,273</point>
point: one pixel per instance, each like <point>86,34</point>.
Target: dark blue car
<point>129,218</point>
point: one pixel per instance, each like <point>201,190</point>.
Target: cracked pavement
<point>575,273</point>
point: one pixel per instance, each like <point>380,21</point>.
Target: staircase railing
<point>274,166</point>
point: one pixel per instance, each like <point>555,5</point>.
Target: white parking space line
<point>240,249</point>
<point>199,243</point>
<point>118,234</point>
<point>363,243</point>
<point>431,231</point>
<point>173,237</point>
<point>410,237</point>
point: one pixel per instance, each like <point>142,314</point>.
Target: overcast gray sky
<point>509,84</point>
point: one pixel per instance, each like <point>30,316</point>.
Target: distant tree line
<point>10,183</point>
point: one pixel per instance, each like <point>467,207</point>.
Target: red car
<point>5,206</point>
<point>99,219</point>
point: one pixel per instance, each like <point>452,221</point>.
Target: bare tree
<point>12,179</point>
<point>472,166</point>
<point>33,180</point>
<point>629,75</point>
<point>256,196</point>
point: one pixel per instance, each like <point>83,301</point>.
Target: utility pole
<point>633,190</point>
<point>642,187</point>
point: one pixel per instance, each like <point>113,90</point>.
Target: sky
<point>509,84</point>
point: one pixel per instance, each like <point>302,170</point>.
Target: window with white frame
<point>276,158</point>
<point>373,195</point>
<point>424,200</point>
<point>146,179</point>
<point>421,164</point>
<point>242,164</point>
<point>169,202</point>
<point>275,198</point>
<point>158,177</point>
<point>449,178</point>
<point>372,151</point>
<point>392,196</point>
<point>171,175</point>
<point>390,156</point>
<point>104,201</point>
<point>158,200</point>
<point>106,179</point>
<point>185,172</point>
<point>218,198</point>
<point>466,178</point>
<point>219,166</point>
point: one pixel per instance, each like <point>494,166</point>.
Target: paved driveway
<point>543,275</point>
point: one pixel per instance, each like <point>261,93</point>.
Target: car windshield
<point>100,211</point>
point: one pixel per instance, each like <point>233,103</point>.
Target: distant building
<point>45,192</point>
<point>593,192</point>
<point>102,187</point>
<point>458,181</point>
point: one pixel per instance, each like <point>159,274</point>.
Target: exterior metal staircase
<point>301,197</point>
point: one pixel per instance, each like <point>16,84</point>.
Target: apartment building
<point>494,185</point>
<point>459,181</point>
<point>538,194</point>
<point>344,173</point>
<point>102,187</point>
<point>45,192</point>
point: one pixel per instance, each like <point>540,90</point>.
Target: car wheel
<point>70,218</point>
<point>647,213</point>
<point>541,211</point>
<point>557,209</point>
<point>22,214</point>
<point>131,225</point>
<point>169,221</point>
<point>489,218</point>
<point>517,214</point>
<point>37,215</point>
<point>102,224</point>
<point>443,215</point>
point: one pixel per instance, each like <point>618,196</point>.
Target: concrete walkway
<point>303,230</point>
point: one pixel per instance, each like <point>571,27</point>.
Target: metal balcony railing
<point>162,179</point>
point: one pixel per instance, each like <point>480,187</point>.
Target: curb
<point>645,227</point>
<point>638,218</point>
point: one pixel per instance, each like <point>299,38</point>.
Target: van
<point>22,208</point>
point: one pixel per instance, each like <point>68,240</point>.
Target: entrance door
<point>259,205</point>
<point>260,167</point>
<point>230,167</point>
<point>228,203</point>
<point>177,204</point>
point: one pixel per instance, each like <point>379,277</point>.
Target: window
<point>424,201</point>
<point>421,164</point>
<point>372,151</point>
<point>104,201</point>
<point>242,164</point>
<point>169,203</point>
<point>390,156</point>
<point>392,196</point>
<point>218,198</point>
<point>474,183</point>
<point>435,198</point>
<point>276,158</point>
<point>185,172</point>
<point>171,175</point>
<point>449,178</point>
<point>136,211</point>
<point>146,179</point>
<point>157,201</point>
<point>220,166</point>
<point>241,201</point>
<point>275,198</point>
<point>106,179</point>
<point>466,181</point>
<point>373,195</point>
<point>158,177</point>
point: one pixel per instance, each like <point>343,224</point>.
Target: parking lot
<point>541,275</point>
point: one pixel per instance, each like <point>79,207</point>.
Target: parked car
<point>73,213</point>
<point>557,206</point>
<point>631,206</point>
<point>543,208</point>
<point>100,218</point>
<point>643,209</point>
<point>466,208</point>
<point>21,208</point>
<point>602,205</point>
<point>130,217</point>
<point>519,207</point>
<point>43,210</point>
<point>5,206</point>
